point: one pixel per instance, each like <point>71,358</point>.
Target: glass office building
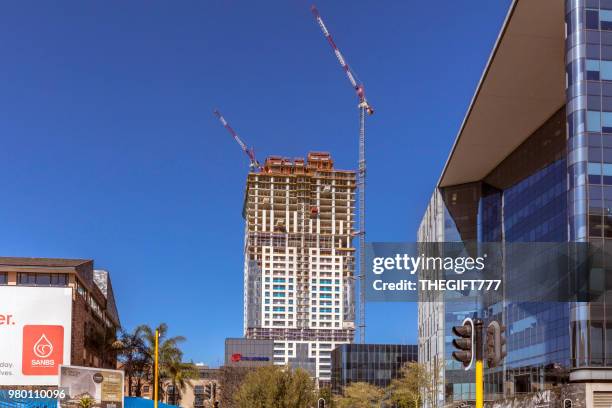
<point>532,162</point>
<point>376,364</point>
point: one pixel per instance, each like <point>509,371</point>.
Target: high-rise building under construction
<point>299,260</point>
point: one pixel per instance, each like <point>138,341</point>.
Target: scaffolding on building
<point>306,209</point>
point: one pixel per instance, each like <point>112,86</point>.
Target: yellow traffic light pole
<point>469,346</point>
<point>155,387</point>
<point>479,385</point>
<point>478,324</point>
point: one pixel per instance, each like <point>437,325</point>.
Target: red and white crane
<point>364,107</point>
<point>254,164</point>
<point>357,86</point>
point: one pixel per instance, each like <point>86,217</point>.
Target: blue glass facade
<point>524,199</point>
<point>554,187</point>
<point>589,117</point>
<point>376,364</point>
<point>530,205</point>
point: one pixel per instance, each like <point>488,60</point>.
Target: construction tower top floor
<point>315,162</point>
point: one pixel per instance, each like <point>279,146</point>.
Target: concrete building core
<point>299,259</point>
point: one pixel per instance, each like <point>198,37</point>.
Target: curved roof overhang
<point>522,85</point>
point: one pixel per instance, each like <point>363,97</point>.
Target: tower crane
<point>364,107</point>
<point>253,163</point>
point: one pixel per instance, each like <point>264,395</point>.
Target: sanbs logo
<point>43,349</point>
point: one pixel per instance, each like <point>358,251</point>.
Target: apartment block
<point>299,259</point>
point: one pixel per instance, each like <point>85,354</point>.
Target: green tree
<point>137,356</point>
<point>300,388</point>
<point>276,387</point>
<point>416,384</point>
<point>360,395</point>
<point>102,343</point>
<point>133,360</point>
<point>231,380</point>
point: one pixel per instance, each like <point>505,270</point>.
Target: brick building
<point>95,319</point>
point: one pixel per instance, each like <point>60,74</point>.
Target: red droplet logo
<point>43,347</point>
<point>236,357</point>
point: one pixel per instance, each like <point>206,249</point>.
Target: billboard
<point>103,386</point>
<point>35,334</point>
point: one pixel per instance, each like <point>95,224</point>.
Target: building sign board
<point>35,334</point>
<point>239,357</point>
<point>103,386</point>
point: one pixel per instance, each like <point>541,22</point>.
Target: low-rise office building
<point>201,392</point>
<point>375,364</point>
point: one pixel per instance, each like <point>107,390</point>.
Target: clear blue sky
<point>110,150</point>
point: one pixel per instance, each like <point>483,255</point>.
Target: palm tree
<point>169,354</point>
<point>179,374</point>
<point>86,402</point>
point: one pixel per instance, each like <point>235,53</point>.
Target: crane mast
<point>364,107</point>
<point>253,163</point>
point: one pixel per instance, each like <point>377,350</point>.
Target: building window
<point>42,279</point>
<point>81,290</point>
<point>605,18</point>
<point>3,278</point>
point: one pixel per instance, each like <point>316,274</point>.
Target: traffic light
<point>496,344</point>
<point>208,390</point>
<point>465,343</point>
